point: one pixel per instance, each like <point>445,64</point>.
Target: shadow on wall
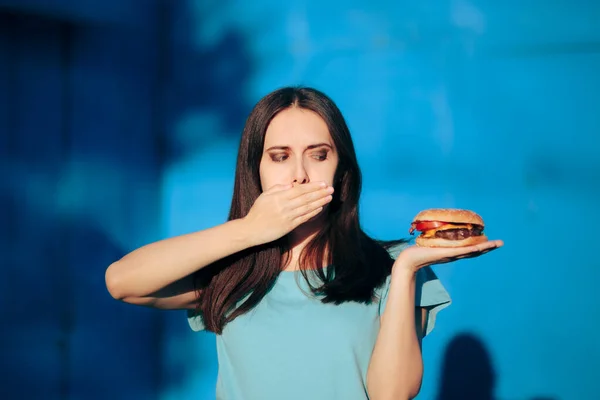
<point>468,371</point>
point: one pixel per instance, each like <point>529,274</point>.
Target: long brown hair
<point>357,264</point>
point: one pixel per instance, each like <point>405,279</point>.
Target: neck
<point>298,239</point>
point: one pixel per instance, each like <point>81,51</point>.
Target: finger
<point>474,254</point>
<point>308,208</point>
<point>278,188</point>
<point>461,252</point>
<point>305,217</point>
<point>300,190</point>
<point>310,197</point>
<point>455,252</point>
<point>491,244</point>
<point>488,250</point>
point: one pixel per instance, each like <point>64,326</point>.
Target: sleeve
<point>429,292</point>
<point>195,321</point>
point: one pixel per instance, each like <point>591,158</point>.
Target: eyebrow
<point>312,146</point>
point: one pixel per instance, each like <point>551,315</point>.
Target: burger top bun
<point>449,215</point>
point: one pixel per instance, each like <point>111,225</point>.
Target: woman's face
<point>298,149</point>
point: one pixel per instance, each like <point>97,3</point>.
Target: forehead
<point>297,127</point>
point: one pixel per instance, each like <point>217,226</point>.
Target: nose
<point>300,175</point>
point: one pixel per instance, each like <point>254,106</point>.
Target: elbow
<point>402,391</point>
<point>114,282</point>
<point>415,390</point>
<point>414,387</point>
<point>395,395</point>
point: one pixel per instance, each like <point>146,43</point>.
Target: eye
<point>320,156</point>
<point>279,157</point>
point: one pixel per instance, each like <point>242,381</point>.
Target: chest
<point>291,321</point>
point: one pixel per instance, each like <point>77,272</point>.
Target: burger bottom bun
<point>438,242</point>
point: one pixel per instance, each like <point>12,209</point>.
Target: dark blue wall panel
<point>81,163</point>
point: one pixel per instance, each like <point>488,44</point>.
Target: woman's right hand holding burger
<point>446,235</point>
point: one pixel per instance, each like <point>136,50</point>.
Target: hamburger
<point>448,227</point>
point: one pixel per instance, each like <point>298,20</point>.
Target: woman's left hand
<point>415,257</point>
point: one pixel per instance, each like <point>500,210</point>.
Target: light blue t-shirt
<point>293,347</point>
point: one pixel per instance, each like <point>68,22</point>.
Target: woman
<point>305,305</point>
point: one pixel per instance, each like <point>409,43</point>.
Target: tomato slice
<point>427,225</point>
<point>423,226</point>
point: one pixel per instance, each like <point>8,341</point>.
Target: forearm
<point>150,268</point>
<point>396,366</point>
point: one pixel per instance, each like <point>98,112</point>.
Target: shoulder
<point>394,248</point>
<point>391,250</point>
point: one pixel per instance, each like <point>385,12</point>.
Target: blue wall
<point>119,125</point>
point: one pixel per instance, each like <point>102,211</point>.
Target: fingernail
<point>322,184</point>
